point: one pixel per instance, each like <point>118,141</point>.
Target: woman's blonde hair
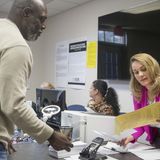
<point>153,68</point>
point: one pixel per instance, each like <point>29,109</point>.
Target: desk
<point>31,151</point>
<point>126,156</point>
<point>34,151</point>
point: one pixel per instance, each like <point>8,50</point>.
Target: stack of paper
<point>115,147</point>
<point>77,147</point>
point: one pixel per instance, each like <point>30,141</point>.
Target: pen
<point>113,149</point>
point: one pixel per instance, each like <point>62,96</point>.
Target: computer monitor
<point>45,97</point>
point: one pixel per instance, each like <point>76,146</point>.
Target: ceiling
<point>54,6</point>
<point>59,6</point>
<point>145,7</point>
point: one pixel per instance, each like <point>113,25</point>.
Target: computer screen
<point>45,97</point>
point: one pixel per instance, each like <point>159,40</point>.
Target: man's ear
<point>27,11</point>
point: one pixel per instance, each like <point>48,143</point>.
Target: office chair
<point>76,107</point>
<point>122,113</point>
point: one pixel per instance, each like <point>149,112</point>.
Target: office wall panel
<point>76,23</point>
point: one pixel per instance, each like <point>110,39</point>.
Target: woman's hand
<point>158,120</point>
<point>125,141</point>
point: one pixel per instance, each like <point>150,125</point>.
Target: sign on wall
<point>77,64</point>
<point>71,64</point>
<point>62,64</point>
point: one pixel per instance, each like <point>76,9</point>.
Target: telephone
<point>90,152</point>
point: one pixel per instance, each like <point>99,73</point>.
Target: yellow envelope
<point>140,117</point>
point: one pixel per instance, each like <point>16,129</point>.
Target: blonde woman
<point>145,87</point>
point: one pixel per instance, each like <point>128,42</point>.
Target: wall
<point>37,75</point>
<point>2,15</point>
<point>76,23</point>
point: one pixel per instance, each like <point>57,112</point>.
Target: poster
<point>91,54</point>
<point>61,64</point>
<point>77,64</point>
<point>71,64</point>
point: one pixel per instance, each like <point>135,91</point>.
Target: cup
<point>67,131</point>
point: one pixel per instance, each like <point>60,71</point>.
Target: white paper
<point>105,151</point>
<point>157,125</point>
<point>133,147</point>
<point>144,151</point>
<point>116,148</point>
<point>153,154</point>
<point>62,64</point>
<point>77,64</point>
<point>74,157</point>
<point>71,64</point>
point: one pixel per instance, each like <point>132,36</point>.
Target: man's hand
<point>59,141</point>
<point>10,148</point>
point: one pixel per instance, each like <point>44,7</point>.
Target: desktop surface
<point>34,151</point>
<point>126,156</point>
<point>30,151</point>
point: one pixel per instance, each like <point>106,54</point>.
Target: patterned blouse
<point>101,107</point>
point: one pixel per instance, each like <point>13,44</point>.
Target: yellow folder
<point>144,116</point>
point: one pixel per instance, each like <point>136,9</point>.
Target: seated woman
<point>104,100</point>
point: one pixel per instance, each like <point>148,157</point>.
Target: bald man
<point>26,21</point>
